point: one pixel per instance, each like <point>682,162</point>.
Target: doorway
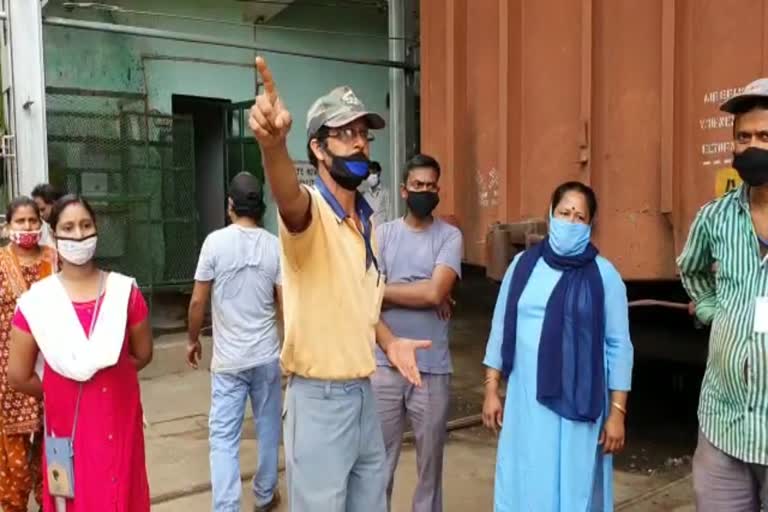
<point>208,115</point>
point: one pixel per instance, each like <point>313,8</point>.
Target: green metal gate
<point>137,169</point>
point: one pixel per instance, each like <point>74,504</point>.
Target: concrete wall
<point>92,60</point>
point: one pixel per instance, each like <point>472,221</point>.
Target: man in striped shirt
<point>724,268</point>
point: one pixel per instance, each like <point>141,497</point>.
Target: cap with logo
<point>754,90</point>
<point>338,108</point>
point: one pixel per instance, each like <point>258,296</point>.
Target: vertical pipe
<point>396,102</point>
<point>585,150</point>
<point>9,164</point>
<point>25,25</point>
<point>667,145</point>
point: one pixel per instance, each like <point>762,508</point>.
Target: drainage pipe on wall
<point>396,103</point>
<point>198,39</point>
<point>195,60</point>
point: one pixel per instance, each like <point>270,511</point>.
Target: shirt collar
<point>363,209</point>
<point>364,212</point>
<point>742,197</point>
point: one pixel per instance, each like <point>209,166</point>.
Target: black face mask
<point>421,204</point>
<point>349,171</point>
<point>752,165</point>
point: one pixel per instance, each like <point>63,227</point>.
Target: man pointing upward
<point>332,290</point>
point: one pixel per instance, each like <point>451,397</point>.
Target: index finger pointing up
<point>266,77</point>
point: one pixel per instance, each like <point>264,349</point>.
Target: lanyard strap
<point>88,335</point>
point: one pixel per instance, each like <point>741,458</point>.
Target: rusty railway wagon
<point>518,96</point>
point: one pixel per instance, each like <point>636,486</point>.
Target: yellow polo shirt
<point>332,293</point>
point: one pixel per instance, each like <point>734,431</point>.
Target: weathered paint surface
<point>92,60</point>
<point>520,96</point>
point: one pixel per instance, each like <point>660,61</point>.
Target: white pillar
<point>396,103</point>
<point>27,116</point>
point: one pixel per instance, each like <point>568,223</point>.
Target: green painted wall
<point>107,61</point>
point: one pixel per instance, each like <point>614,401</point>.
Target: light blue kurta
<point>546,463</point>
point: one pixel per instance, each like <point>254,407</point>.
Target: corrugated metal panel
<point>519,96</point>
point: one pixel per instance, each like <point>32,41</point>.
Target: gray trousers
<point>334,451</point>
<point>427,410</point>
<point>725,484</point>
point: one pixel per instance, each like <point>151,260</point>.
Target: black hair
<point>576,186</point>
<point>47,193</point>
<point>321,135</point>
<point>420,160</point>
<point>20,202</point>
<point>247,195</point>
<point>62,204</point>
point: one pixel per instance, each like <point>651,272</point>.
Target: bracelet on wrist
<point>619,407</point>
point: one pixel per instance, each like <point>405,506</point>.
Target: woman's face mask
<point>77,252</point>
<point>25,239</point>
<point>568,238</point>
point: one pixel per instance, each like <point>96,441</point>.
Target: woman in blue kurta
<point>560,337</point>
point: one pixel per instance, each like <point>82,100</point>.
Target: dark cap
<point>754,91</point>
<point>246,193</point>
<point>338,108</point>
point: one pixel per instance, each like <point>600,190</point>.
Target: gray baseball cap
<point>754,90</point>
<point>338,108</point>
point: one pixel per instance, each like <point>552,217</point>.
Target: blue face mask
<point>568,238</point>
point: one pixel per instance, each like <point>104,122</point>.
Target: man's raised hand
<point>269,120</point>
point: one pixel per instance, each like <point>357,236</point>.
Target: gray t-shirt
<point>406,256</point>
<point>244,265</point>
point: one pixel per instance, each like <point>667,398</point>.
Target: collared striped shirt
<point>723,271</point>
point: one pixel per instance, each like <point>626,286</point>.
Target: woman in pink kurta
<point>110,472</point>
<point>108,445</point>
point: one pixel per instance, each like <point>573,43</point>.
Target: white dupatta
<point>60,335</point>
